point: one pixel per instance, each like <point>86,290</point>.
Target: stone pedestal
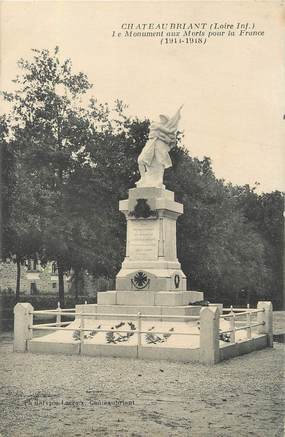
<point>151,273</point>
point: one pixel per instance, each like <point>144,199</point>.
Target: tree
<point>5,170</point>
<point>273,230</point>
<point>49,131</point>
<point>20,235</point>
<point>265,213</point>
<point>66,155</point>
<point>220,251</point>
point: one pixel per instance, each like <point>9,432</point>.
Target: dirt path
<point>57,395</point>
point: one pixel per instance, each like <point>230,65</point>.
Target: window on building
<point>54,268</point>
<point>54,285</point>
<point>33,288</point>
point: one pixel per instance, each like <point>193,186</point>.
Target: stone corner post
<point>22,320</point>
<point>209,335</point>
<point>265,317</point>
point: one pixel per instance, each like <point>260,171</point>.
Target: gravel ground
<point>58,395</point>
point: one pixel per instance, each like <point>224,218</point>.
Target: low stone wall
<point>233,350</point>
<point>210,352</point>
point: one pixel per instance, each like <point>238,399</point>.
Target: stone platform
<point>165,333</point>
<point>155,312</point>
<point>155,332</point>
<point>110,334</point>
<point>115,335</point>
<point>155,298</point>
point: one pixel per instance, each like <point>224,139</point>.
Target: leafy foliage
<point>117,337</point>
<point>152,338</point>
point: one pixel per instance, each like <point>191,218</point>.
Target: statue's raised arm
<point>173,122</point>
<point>154,158</point>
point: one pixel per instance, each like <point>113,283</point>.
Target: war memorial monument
<point>150,314</point>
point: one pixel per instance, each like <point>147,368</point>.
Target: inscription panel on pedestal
<point>143,239</point>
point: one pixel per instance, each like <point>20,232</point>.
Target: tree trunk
<point>18,280</point>
<point>60,284</point>
<point>76,280</point>
<point>248,297</point>
<point>237,299</point>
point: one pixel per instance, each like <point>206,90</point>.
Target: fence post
<point>265,317</point>
<point>23,318</point>
<point>232,326</point>
<point>58,316</point>
<point>248,321</point>
<point>209,335</point>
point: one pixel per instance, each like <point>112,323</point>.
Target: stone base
<point>45,345</point>
<point>159,310</point>
<point>149,298</point>
<point>170,278</point>
<point>156,312</point>
<point>151,262</point>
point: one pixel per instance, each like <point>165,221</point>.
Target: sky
<point>232,88</point>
